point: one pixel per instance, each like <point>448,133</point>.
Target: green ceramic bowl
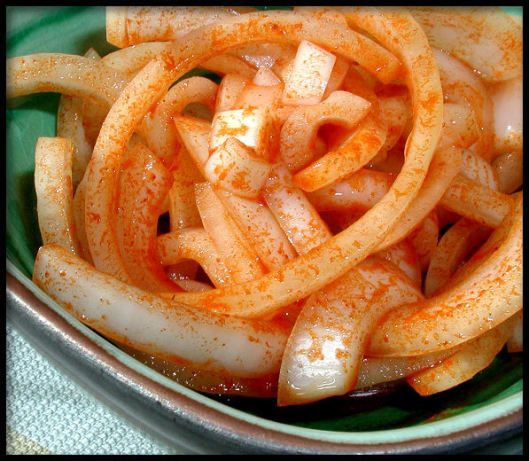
<point>485,410</point>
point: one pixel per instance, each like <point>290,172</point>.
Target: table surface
<point>47,413</point>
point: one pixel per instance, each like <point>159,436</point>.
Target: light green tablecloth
<point>47,413</point>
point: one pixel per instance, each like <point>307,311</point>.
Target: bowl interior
<point>400,413</point>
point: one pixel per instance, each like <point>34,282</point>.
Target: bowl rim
<point>493,421</point>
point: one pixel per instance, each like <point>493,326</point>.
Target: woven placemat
<point>47,413</point>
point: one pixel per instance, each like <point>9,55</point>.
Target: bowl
<point>391,420</point>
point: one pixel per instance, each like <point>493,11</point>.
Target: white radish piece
<point>182,206</point>
<point>227,64</point>
<point>478,169</point>
<point>158,128</point>
<point>337,77</point>
<point>266,77</point>
<point>194,133</point>
<point>299,132</point>
<point>424,239</point>
<point>53,186</point>
<point>355,152</point>
<point>257,222</point>
<point>472,200</point>
<point>507,100</point>
<point>362,190</point>
<point>377,370</point>
<point>464,87</point>
<point>78,219</point>
<point>70,124</point>
<point>194,243</point>
<point>483,297</point>
<point>486,38</point>
<point>459,127</point>
<point>234,250</point>
<point>453,247</point>
<point>405,257</point>
<point>246,348</point>
<point>229,91</point>
<point>311,70</point>
<point>265,97</point>
<point>472,357</point>
<point>234,167</point>
<point>251,126</point>
<point>144,183</point>
<point>130,25</point>
<point>297,217</point>
<point>324,351</point>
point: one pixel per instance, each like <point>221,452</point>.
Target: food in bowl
<point>337,209</point>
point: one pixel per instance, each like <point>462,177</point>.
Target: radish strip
<point>225,64</point>
<point>63,73</point>
<point>479,170</point>
<point>298,134</point>
<point>183,211</point>
<point>443,169</point>
<point>481,204</point>
<point>78,218</point>
<point>158,127</point>
<point>464,87</point>
<point>143,185</point>
<point>362,190</point>
<point>239,347</point>
<point>353,154</point>
<point>194,244</point>
<point>230,89</point>
<point>132,25</point>
<point>377,370</point>
<point>295,214</point>
<point>102,184</point>
<point>473,357</point>
<point>404,256</point>
<point>424,239</point>
<point>256,221</point>
<point>234,167</point>
<point>53,186</point>
<point>452,249</point>
<point>325,348</point>
<point>487,39</point>
<point>231,245</point>
<point>489,294</point>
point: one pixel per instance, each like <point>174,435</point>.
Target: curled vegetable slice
<point>470,199</point>
<point>324,351</point>
<point>245,348</point>
<point>473,356</point>
<point>487,39</point>
<point>452,249</point>
<point>143,186</point>
<point>326,263</point>
<point>53,186</point>
<point>63,73</point>
<point>194,243</point>
<point>489,293</point>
